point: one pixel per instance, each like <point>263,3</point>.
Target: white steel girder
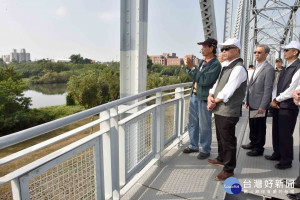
<point>208,18</point>
<point>268,22</point>
<point>228,20</point>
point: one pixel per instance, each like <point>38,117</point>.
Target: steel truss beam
<point>228,19</point>
<point>208,18</point>
<point>274,22</point>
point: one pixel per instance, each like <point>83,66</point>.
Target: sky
<point>56,29</point>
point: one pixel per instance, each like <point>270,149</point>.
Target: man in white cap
<point>225,100</point>
<point>285,112</point>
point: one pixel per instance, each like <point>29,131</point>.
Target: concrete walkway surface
<point>183,176</point>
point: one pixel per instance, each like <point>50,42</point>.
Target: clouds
<point>109,16</point>
<point>61,11</point>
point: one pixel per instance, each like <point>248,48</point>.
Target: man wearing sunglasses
<point>225,100</point>
<point>259,94</point>
<point>204,76</point>
<point>285,112</point>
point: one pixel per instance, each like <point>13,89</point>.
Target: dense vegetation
<point>15,114</point>
<point>88,85</point>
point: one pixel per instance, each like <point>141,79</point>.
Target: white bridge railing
<point>134,133</point>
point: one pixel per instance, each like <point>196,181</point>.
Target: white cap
<point>230,41</point>
<point>292,45</point>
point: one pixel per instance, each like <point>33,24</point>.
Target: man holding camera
<point>204,77</point>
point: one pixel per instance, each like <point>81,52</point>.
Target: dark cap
<point>278,59</point>
<point>209,42</point>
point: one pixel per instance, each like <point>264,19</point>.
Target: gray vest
<point>232,108</point>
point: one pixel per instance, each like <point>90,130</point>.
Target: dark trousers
<point>225,130</point>
<point>283,125</point>
<point>258,130</point>
<point>298,178</point>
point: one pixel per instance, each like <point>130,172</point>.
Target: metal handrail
<point>114,167</point>
<point>27,134</point>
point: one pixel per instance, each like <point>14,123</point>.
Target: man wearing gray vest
<point>259,95</point>
<point>285,112</point>
<point>225,99</point>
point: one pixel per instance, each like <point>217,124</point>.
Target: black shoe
<point>247,146</point>
<point>296,185</point>
<point>280,166</point>
<point>272,157</point>
<point>295,196</point>
<point>255,153</point>
<point>202,155</point>
<point>189,150</point>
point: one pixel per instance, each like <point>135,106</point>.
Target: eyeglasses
<point>286,50</point>
<point>257,52</point>
<point>227,48</point>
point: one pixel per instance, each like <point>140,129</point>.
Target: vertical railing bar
<point>158,128</point>
<point>99,181</point>
<point>162,127</point>
<point>114,145</point>
<point>122,155</point>
<point>106,156</point>
<point>179,94</point>
<point>111,154</point>
<point>16,189</point>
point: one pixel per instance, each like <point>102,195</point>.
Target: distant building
<point>194,59</point>
<point>6,58</point>
<point>62,60</point>
<point>168,59</point>
<point>14,55</point>
<point>174,61</point>
<point>169,55</point>
<point>19,57</point>
<point>160,60</point>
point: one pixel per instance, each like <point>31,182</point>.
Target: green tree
<point>88,90</point>
<point>153,81</point>
<point>15,114</point>
<point>155,68</point>
<point>87,61</point>
<point>2,63</point>
<point>76,59</point>
<point>149,62</point>
<point>184,77</point>
<point>14,61</point>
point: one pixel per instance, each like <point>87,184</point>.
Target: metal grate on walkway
<point>183,176</point>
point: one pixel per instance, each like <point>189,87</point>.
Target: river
<point>43,95</point>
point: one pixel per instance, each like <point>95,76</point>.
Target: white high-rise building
<point>14,55</point>
<point>6,58</point>
<point>19,57</point>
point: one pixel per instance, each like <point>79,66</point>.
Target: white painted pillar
<point>133,63</point>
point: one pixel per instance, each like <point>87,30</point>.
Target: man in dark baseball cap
<point>204,76</point>
<point>210,42</point>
